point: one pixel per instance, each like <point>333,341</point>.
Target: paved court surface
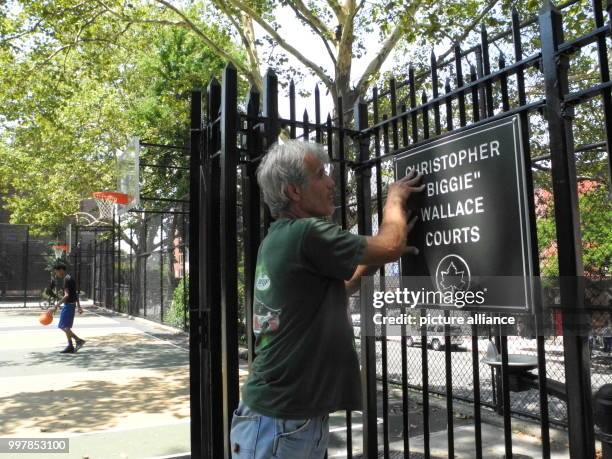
<point>125,394</point>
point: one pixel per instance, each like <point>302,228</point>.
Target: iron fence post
<point>251,217</point>
<point>161,268</point>
<point>197,433</point>
<point>229,251</point>
<point>576,349</point>
<point>211,257</point>
<point>603,418</point>
<point>271,125</point>
<point>26,255</point>
<point>367,338</point>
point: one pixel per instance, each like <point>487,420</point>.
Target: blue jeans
<point>255,436</point>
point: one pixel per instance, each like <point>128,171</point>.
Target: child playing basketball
<point>70,300</point>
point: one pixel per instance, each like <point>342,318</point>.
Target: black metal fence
<point>229,220</point>
<point>136,263</point>
<point>91,260</point>
<point>154,269</point>
<point>24,264</point>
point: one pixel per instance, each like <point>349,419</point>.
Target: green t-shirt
<point>306,362</point>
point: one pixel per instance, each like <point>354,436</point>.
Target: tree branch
<point>335,6</point>
<point>361,4</point>
<point>467,30</point>
<point>345,47</point>
<point>247,35</point>
<point>312,19</point>
<point>376,63</point>
<point>317,31</point>
<point>318,70</point>
<point>211,44</point>
<point>255,77</point>
<point>19,35</point>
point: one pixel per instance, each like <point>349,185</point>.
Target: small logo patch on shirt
<point>262,282</point>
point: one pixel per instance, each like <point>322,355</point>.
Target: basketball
<point>45,318</point>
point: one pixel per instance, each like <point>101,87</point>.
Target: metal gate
<point>228,219</point>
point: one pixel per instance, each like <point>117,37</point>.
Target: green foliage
<point>179,307</point>
<point>75,84</point>
<point>595,217</point>
<point>124,302</point>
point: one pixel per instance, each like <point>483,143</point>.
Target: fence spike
<point>515,12</point>
<point>253,97</point>
<point>472,72</point>
<point>547,7</point>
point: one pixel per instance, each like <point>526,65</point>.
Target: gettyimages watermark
<point>510,306</point>
<point>413,298</point>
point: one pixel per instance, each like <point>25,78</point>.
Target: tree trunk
<point>349,97</point>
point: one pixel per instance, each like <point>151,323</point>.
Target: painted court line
<point>105,317</point>
<point>173,456</point>
<point>124,329</point>
<point>355,426</point>
<point>125,429</point>
<point>165,341</point>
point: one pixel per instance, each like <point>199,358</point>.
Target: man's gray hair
<point>284,165</point>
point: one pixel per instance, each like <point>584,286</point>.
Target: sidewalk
<point>526,442</point>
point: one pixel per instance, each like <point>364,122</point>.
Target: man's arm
<point>73,285</point>
<point>390,242</point>
<point>62,301</point>
<point>352,285</point>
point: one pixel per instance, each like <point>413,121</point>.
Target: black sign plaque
<point>473,230</point>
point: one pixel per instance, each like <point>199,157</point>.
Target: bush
<point>179,306</point>
<point>123,303</point>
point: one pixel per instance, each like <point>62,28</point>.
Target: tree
<point>247,33</point>
<point>68,106</point>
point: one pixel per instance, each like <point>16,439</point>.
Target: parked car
<point>435,335</point>
<point>435,338</point>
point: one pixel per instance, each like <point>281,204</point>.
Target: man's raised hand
<point>404,187</point>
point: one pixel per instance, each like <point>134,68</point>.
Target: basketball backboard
<point>69,237</point>
<point>128,174</point>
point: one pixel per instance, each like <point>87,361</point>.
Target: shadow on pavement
<point>114,351</point>
<point>95,405</point>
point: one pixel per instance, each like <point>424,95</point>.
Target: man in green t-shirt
<point>306,365</point>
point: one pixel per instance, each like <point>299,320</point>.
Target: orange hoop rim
<point>63,247</point>
<point>116,197</point>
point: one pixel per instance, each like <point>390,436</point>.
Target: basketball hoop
<point>58,249</point>
<point>106,201</point>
